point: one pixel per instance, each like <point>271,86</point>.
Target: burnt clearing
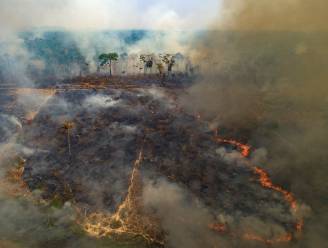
<point>86,139</point>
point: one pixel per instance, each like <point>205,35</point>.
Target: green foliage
<point>107,57</point>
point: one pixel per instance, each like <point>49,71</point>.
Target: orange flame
<point>267,183</point>
<point>284,238</point>
<point>244,149</point>
<point>126,219</point>
<point>218,227</point>
<point>299,226</point>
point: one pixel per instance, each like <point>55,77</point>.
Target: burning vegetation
<point>177,139</point>
<point>104,145</point>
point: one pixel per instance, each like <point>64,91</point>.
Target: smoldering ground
<point>111,120</point>
<point>26,219</point>
<point>24,223</point>
<point>184,220</point>
<point>265,78</point>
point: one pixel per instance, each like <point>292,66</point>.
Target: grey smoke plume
<point>106,14</point>
<point>182,217</point>
<point>279,15</point>
<point>264,78</point>
<point>265,74</point>
<point>84,23</point>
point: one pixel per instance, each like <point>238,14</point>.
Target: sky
<point>108,14</point>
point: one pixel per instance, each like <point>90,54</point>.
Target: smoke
<point>26,220</point>
<point>106,14</point>
<point>263,77</point>
<point>14,60</point>
<point>23,222</point>
<point>85,22</point>
<point>280,15</point>
<point>184,219</point>
<point>100,101</point>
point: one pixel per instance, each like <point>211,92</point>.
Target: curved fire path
<point>265,182</point>
<point>126,220</point>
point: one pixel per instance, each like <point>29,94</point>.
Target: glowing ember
<point>12,184</point>
<point>45,95</point>
<point>30,116</point>
<point>299,226</point>
<point>127,219</point>
<point>267,183</point>
<point>218,227</point>
<point>284,238</point>
<point>15,174</point>
<point>29,91</point>
<point>244,149</point>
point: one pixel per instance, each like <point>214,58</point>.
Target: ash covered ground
<point>80,146</point>
<point>179,124</point>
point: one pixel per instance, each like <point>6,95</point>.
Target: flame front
<point>284,238</point>
<point>265,182</point>
<point>244,149</point>
<point>127,219</point>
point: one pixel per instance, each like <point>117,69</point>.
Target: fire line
<point>265,182</point>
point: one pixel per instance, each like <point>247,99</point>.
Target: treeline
<point>58,55</point>
<point>162,64</point>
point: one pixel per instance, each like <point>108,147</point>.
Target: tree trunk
<point>69,142</point>
<point>110,68</point>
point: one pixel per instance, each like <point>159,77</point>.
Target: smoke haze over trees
<point>260,75</point>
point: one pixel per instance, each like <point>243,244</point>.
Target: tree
<point>68,126</point>
<point>169,60</point>
<point>160,68</point>
<point>107,59</point>
<point>147,61</point>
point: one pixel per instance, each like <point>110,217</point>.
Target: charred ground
<point>86,137</point>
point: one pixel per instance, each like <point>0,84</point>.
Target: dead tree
<point>68,126</point>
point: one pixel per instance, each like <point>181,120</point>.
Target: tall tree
<point>107,59</point>
<point>169,60</point>
<point>68,126</point>
<point>148,61</point>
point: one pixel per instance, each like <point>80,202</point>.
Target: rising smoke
<point>182,216</point>
<point>264,75</point>
<point>263,72</point>
<point>22,223</point>
<point>84,25</point>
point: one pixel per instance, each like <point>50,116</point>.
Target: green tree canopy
<point>106,59</point>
